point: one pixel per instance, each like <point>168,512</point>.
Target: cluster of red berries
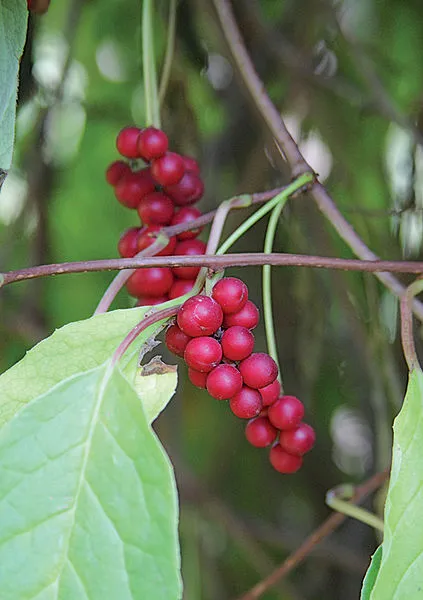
<point>213,335</point>
<point>162,186</point>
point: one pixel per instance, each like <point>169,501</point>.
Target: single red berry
<point>186,215</point>
<point>260,432</point>
<point>115,171</point>
<point>152,281</point>
<point>181,287</point>
<point>247,317</point>
<point>224,382</point>
<point>286,412</point>
<point>246,404</point>
<point>151,300</point>
<point>231,293</point>
<point>148,237</point>
<point>187,191</point>
<point>38,6</point>
<point>132,187</point>
<point>176,340</point>
<point>203,354</point>
<point>188,248</point>
<point>298,441</point>
<point>199,316</point>
<point>284,462</point>
<point>191,165</point>
<point>168,169</point>
<point>258,370</point>
<point>156,209</point>
<point>237,343</point>
<point>152,143</point>
<point>127,245</point>
<point>270,393</point>
<point>127,140</point>
<point>197,378</point>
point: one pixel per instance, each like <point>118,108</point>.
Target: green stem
<point>407,336</point>
<point>170,47</point>
<point>152,106</point>
<point>338,499</point>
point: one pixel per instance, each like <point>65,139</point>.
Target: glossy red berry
<point>270,393</point>
<point>152,281</point>
<point>128,242</point>
<point>199,316</point>
<point>132,187</point>
<point>298,441</point>
<point>152,143</point>
<point>237,343</point>
<point>176,340</point>
<point>258,370</point>
<point>260,432</point>
<point>148,237</point>
<point>246,404</point>
<point>224,382</point>
<point>284,462</point>
<point>186,215</point>
<point>127,142</point>
<point>248,316</point>
<point>151,300</point>
<point>116,171</point>
<point>181,287</point>
<point>187,191</point>
<point>231,293</point>
<point>286,413</point>
<point>191,165</point>
<point>156,209</point>
<point>168,169</point>
<point>203,354</point>
<point>188,248</point>
<point>197,378</point>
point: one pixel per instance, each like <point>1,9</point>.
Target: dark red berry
<point>148,237</point>
<point>38,6</point>
<point>181,287</point>
<point>188,248</point>
<point>187,191</point>
<point>270,393</point>
<point>176,340</point>
<point>199,316</point>
<point>197,378</point>
<point>186,215</point>
<point>191,165</point>
<point>156,209</point>
<point>260,432</point>
<point>127,140</point>
<point>203,354</point>
<point>231,293</point>
<point>224,382</point>
<point>151,300</point>
<point>286,412</point>
<point>127,245</point>
<point>116,171</point>
<point>152,281</point>
<point>237,343</point>
<point>152,143</point>
<point>284,462</point>
<point>168,169</point>
<point>132,187</point>
<point>298,441</point>
<point>246,404</point>
<point>258,370</point>
<point>247,317</point>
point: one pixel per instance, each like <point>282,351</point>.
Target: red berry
<point>188,248</point>
<point>187,191</point>
<point>286,412</point>
<point>115,171</point>
<point>181,287</point>
<point>247,317</point>
<point>191,165</point>
<point>258,370</point>
<point>156,209</point>
<point>152,281</point>
<point>152,143</point>
<point>224,382</point>
<point>203,354</point>
<point>151,300</point>
<point>237,343</point>
<point>199,316</point>
<point>260,432</point>
<point>185,215</point>
<point>284,462</point>
<point>231,293</point>
<point>168,169</point>
<point>132,187</point>
<point>270,393</point>
<point>246,404</point>
<point>127,245</point>
<point>176,340</point>
<point>38,6</point>
<point>197,378</point>
<point>126,142</point>
<point>298,441</point>
<point>148,237</point>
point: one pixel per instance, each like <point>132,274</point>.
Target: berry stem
<point>339,499</point>
<point>407,337</point>
<point>152,106</point>
<point>170,47</point>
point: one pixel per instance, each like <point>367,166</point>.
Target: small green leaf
<point>372,571</point>
<point>155,384</point>
<point>13,20</point>
<point>88,505</point>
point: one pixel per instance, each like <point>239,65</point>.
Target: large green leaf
<point>400,574</point>
<point>88,506</point>
<point>13,18</point>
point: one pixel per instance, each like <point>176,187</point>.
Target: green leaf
<point>155,384</point>
<point>400,573</point>
<point>88,505</point>
<point>13,20</point>
<point>370,578</point>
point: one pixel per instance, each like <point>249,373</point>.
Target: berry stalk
<point>149,66</point>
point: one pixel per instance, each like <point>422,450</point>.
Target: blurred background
<point>348,78</point>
